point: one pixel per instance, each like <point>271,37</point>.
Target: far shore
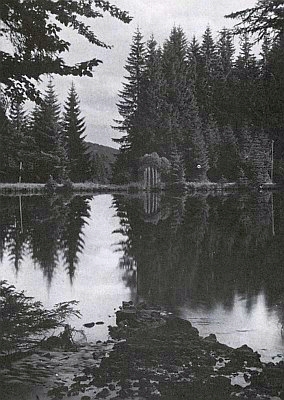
<point>91,187</point>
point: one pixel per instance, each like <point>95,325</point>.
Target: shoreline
<point>87,188</point>
<point>152,355</point>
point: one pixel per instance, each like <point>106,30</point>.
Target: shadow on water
<point>204,250</point>
<point>47,227</point>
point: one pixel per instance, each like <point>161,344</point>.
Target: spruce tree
<point>129,107</point>
<point>223,85</point>
<point>208,72</point>
<point>50,153</point>
<point>23,144</point>
<point>247,74</point>
<point>74,128</point>
<point>184,125</point>
<point>153,100</point>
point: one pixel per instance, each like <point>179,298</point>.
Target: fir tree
<point>74,128</point>
<point>23,144</point>
<point>184,125</point>
<point>246,72</point>
<point>50,155</point>
<point>129,106</point>
<point>153,99</point>
<point>223,85</point>
<point>208,71</point>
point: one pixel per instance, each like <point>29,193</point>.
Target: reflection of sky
<point>98,281</point>
<point>257,326</point>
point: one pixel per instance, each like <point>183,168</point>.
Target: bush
<point>51,185</point>
<point>23,321</point>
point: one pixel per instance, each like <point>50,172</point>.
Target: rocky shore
<point>151,355</point>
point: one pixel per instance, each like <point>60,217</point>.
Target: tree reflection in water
<point>47,227</point>
<point>204,248</point>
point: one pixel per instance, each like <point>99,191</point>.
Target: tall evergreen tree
<point>184,127</point>
<point>223,85</point>
<point>74,128</point>
<point>208,71</point>
<point>50,153</point>
<point>246,71</point>
<point>129,107</point>
<point>23,143</point>
<point>153,99</point>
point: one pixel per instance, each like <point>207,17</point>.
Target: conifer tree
<point>129,107</point>
<point>74,128</point>
<point>223,86</point>
<point>153,99</point>
<point>184,125</point>
<point>246,72</point>
<point>194,61</point>
<point>50,158</point>
<point>208,71</point>
<point>23,145</point>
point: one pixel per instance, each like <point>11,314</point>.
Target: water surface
<point>215,260</point>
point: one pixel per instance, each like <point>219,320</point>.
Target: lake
<point>216,260</point>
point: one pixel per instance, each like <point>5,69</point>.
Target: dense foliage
<point>22,319</point>
<point>35,32</point>
<point>74,128</point>
<point>46,143</point>
<point>214,112</point>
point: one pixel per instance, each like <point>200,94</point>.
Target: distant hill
<point>95,148</point>
<point>103,157</point>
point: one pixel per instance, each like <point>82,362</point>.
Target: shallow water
<point>215,260</point>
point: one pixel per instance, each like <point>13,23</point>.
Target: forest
<point>215,113</point>
<point>211,107</point>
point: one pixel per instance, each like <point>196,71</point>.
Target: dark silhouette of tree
<point>247,75</point>
<point>73,129</point>
<point>35,31</point>
<point>208,72</point>
<point>265,18</point>
<point>153,99</point>
<point>184,125</point>
<point>224,80</point>
<point>129,106</point>
<point>50,156</point>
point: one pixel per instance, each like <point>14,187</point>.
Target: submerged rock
<point>89,325</point>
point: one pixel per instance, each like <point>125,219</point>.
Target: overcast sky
<point>98,95</point>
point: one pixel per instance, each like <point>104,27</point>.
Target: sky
<point>99,95</point>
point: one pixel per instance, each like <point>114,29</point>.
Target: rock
<point>129,315</point>
<point>211,338</point>
<point>127,304</point>
<point>103,394</point>
<point>89,325</point>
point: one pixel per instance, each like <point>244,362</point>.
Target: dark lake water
<point>215,260</point>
